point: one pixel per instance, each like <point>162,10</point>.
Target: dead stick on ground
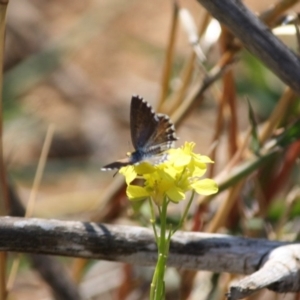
<point>276,262</point>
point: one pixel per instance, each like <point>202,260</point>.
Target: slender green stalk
<point>153,284</point>
<point>157,290</point>
<point>152,220</point>
<point>187,208</point>
<point>162,252</point>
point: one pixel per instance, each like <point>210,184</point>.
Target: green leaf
<point>290,135</point>
<point>255,143</point>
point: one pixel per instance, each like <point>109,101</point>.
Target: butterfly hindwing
<point>163,137</point>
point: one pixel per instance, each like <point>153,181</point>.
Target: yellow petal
<point>188,147</point>
<point>205,186</point>
<point>204,159</point>
<point>136,193</point>
<point>177,157</point>
<point>144,168</point>
<point>175,194</point>
<point>173,178</point>
<point>198,172</point>
<point>129,174</point>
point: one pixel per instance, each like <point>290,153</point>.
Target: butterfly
<point>151,135</point>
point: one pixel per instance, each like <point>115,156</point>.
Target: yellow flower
<point>173,178</point>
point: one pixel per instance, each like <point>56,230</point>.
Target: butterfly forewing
<point>142,122</point>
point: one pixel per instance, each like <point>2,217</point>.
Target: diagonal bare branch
<point>257,38</point>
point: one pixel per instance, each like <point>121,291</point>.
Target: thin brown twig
<point>269,16</point>
<point>277,114</point>
<point>219,218</point>
<point>256,38</point>
<point>32,198</point>
<point>47,266</point>
<point>172,104</point>
<point>4,203</point>
<point>291,199</point>
<point>169,57</point>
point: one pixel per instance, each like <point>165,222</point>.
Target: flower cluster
<point>173,178</point>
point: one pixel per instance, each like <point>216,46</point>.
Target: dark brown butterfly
<point>151,135</point>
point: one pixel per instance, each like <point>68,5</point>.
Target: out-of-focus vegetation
<point>75,64</point>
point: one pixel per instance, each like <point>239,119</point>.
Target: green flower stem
<point>152,220</point>
<point>182,219</point>
<point>157,291</point>
<point>153,284</point>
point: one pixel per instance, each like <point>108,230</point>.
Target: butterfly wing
<point>163,136</point>
<point>151,135</point>
<point>148,128</point>
<point>142,122</point>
